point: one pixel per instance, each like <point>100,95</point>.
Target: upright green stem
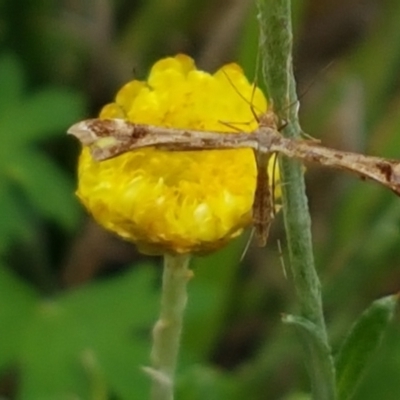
<point>168,328</point>
<point>276,47</point>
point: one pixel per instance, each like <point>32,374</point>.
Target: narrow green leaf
<point>363,339</point>
<point>51,111</point>
<point>44,114</point>
<point>46,187</point>
<point>317,354</point>
<point>11,82</point>
<point>14,221</point>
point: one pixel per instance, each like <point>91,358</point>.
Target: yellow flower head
<point>177,202</point>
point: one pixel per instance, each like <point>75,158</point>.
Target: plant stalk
<point>168,328</point>
<point>276,48</point>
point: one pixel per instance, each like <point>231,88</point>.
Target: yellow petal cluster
<point>177,202</point>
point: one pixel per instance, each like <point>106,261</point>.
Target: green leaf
<point>14,221</point>
<point>118,316</point>
<point>46,187</point>
<point>50,351</point>
<point>205,382</point>
<point>24,172</point>
<point>11,82</point>
<point>17,300</point>
<point>363,339</point>
<point>96,337</point>
<point>317,353</point>
<point>47,113</point>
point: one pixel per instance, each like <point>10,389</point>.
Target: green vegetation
<point>77,305</point>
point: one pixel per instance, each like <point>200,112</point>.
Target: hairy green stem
<point>168,328</point>
<point>276,47</point>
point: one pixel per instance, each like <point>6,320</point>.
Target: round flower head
<point>177,202</point>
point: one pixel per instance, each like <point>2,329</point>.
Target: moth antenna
<point>252,108</point>
<point>249,102</point>
<point>248,243</point>
<point>258,202</point>
<point>309,137</point>
<point>256,72</point>
<point>306,90</point>
<point>316,77</point>
<point>281,258</point>
<point>231,125</point>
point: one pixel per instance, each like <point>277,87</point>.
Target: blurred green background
<point>77,304</point>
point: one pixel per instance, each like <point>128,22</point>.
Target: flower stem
<point>168,328</point>
<point>276,45</point>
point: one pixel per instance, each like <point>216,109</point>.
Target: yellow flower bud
<point>177,202</point>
